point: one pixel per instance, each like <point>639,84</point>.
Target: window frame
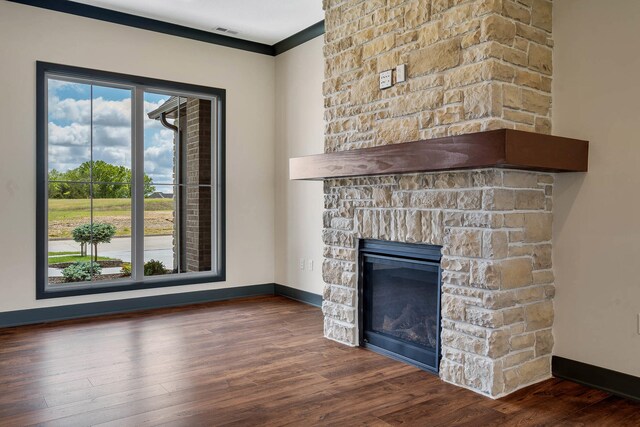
<point>43,70</point>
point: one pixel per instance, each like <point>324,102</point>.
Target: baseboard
<point>298,295</point>
<point>614,382</point>
<point>93,309</point>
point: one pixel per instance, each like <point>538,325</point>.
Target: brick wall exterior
<point>198,180</point>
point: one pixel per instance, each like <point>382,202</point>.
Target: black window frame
<point>42,292</point>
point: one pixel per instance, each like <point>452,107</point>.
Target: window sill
<point>59,291</point>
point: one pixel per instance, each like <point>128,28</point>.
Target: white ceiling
<point>264,21</point>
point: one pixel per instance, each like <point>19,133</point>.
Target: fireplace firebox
<point>399,301</point>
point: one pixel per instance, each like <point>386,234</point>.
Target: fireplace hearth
<point>400,301</point>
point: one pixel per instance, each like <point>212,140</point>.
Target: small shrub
<point>154,268</point>
<point>81,271</point>
<point>125,269</point>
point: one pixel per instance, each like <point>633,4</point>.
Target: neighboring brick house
<point>192,174</point>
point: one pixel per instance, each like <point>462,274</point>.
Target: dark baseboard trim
<point>614,382</point>
<point>299,38</point>
<point>298,295</point>
<point>135,21</point>
<point>93,309</point>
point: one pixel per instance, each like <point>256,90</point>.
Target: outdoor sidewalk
<point>159,248</point>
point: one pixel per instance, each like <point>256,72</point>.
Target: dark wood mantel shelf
<point>502,148</point>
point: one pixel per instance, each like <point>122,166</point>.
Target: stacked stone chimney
<point>471,65</point>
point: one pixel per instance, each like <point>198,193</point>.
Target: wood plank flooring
<point>257,361</point>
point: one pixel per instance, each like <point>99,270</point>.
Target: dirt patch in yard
<point>62,280</point>
<point>103,264</point>
<point>155,223</point>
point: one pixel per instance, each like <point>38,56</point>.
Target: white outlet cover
<point>385,79</point>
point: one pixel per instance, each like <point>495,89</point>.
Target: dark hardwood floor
<point>259,361</point>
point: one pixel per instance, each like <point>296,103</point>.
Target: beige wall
<point>597,215</point>
<point>299,132</point>
<point>28,34</point>
<point>595,97</point>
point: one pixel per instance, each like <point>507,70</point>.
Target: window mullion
<point>177,229</point>
<point>216,191</point>
<point>91,226</point>
<point>137,210</point>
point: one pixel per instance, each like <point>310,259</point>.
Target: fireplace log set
<point>412,325</point>
<point>399,309</point>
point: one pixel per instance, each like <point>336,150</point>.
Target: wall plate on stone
<point>385,79</point>
<point>401,73</point>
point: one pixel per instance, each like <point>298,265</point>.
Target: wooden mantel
<point>502,148</point>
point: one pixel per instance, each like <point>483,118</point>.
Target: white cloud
<point>158,157</point>
<point>112,113</point>
<point>54,85</point>
<point>70,110</point>
<point>105,112</point>
<point>74,134</point>
<point>70,135</point>
<point>64,158</point>
<point>117,157</point>
<point>69,146</point>
<point>112,136</point>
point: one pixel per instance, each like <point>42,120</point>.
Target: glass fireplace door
<point>401,308</point>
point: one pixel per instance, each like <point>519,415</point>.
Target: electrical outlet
<point>310,265</point>
<point>302,264</point>
<point>401,73</point>
<point>385,79</point>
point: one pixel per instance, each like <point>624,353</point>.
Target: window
<point>130,182</point>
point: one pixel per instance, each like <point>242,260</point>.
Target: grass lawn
<point>58,257</point>
<point>61,209</point>
<point>67,214</point>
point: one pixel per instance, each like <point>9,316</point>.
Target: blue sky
<point>71,111</point>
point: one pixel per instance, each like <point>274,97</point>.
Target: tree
<point>102,233</point>
<point>85,234</point>
<point>102,174</point>
<point>82,235</point>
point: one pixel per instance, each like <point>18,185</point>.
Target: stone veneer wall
<point>472,65</point>
<point>497,282</point>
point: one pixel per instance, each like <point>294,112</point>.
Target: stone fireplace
<point>472,66</point>
<point>494,227</point>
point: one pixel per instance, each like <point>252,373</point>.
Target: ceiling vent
<point>225,30</point>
